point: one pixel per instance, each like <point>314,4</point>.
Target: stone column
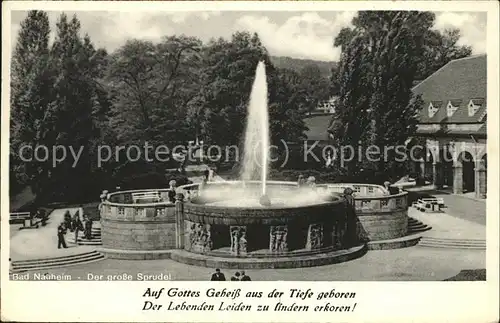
<point>458,185</point>
<point>179,221</point>
<point>314,236</point>
<point>422,169</point>
<point>278,238</point>
<point>238,239</point>
<point>437,175</point>
<point>481,181</point>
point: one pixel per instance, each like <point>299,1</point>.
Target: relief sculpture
<point>238,239</point>
<point>314,237</point>
<point>198,237</point>
<point>278,238</point>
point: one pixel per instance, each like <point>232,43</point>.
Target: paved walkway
<point>407,264</point>
<point>42,242</point>
<point>465,207</point>
<point>446,226</point>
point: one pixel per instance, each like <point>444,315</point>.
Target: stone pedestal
<point>198,237</point>
<point>314,236</point>
<point>278,238</point>
<point>238,239</point>
<point>179,221</point>
<point>458,180</point>
<point>481,179</point>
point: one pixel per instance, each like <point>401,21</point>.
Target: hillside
<point>297,64</point>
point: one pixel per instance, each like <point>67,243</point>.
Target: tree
<point>31,94</point>
<point>151,86</point>
<point>76,101</point>
<point>288,102</point>
<point>376,105</point>
<point>219,111</point>
<point>314,85</point>
<point>441,48</point>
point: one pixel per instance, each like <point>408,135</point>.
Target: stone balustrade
<point>279,230</point>
<point>138,226</point>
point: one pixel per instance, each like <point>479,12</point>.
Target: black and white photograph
<point>247,145</point>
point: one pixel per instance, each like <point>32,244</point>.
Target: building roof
<point>458,82</point>
<point>317,126</point>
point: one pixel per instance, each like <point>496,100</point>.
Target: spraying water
<point>254,192</point>
<point>256,149</point>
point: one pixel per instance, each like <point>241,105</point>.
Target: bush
<point>326,176</point>
<point>151,180</point>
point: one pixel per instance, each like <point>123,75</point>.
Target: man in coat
<point>244,277</point>
<point>218,276</point>
<point>61,230</point>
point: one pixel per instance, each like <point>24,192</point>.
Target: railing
<point>138,212</point>
<point>358,189</point>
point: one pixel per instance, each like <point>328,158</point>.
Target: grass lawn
<point>469,275</point>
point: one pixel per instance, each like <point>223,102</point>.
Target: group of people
<point>73,224</point>
<point>238,276</point>
<point>40,214</point>
<point>309,182</point>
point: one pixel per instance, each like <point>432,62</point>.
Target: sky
<point>295,34</point>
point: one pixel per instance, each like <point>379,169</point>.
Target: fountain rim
<point>193,204</point>
<point>327,185</point>
<point>289,183</point>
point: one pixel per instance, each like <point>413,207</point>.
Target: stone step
<point>417,225</point>
<point>82,241</point>
<point>451,246</point>
<point>19,266</point>
<point>415,230</point>
<point>409,240</point>
<point>437,242</point>
<point>455,241</point>
<point>190,258</point>
<point>30,261</point>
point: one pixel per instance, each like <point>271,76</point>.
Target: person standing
<point>236,276</point>
<point>311,182</point>
<point>78,226</point>
<point>88,227</point>
<point>67,220</point>
<point>218,276</point>
<point>301,181</point>
<point>171,191</point>
<point>244,277</point>
<point>43,216</point>
<point>61,231</point>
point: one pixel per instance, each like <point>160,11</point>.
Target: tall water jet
<point>256,149</point>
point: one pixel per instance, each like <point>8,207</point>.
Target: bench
<point>24,218</point>
<point>150,196</point>
<point>429,204</point>
<point>19,217</point>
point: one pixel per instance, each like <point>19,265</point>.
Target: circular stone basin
<point>227,218</point>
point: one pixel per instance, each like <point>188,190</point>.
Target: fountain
<point>253,222</point>
<point>255,159</point>
<point>253,189</point>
